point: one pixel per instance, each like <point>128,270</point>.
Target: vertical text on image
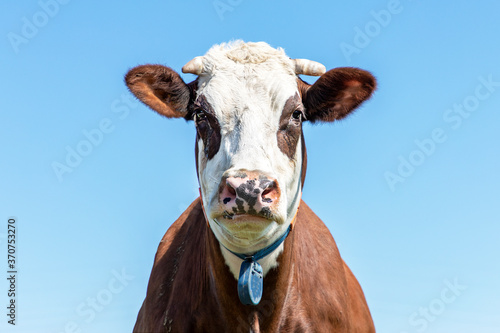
<point>12,269</point>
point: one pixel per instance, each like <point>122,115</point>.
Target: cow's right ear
<point>160,88</point>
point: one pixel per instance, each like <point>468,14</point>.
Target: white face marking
<point>248,97</point>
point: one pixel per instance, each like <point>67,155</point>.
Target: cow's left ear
<point>336,93</point>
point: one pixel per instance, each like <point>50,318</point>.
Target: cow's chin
<point>245,233</point>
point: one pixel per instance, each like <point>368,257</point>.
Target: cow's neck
<point>250,269</point>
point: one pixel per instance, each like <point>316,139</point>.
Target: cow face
<point>248,106</point>
<point>248,114</point>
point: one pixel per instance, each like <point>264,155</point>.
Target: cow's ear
<point>160,88</point>
<point>336,93</point>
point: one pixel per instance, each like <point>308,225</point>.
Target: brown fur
<point>336,93</point>
<point>192,290</point>
<point>161,88</point>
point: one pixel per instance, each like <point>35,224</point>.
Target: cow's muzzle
<point>248,193</point>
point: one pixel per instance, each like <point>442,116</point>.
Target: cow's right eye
<point>199,115</point>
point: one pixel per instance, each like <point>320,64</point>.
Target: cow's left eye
<point>297,115</point>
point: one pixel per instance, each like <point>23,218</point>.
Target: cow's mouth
<point>243,225</point>
<point>243,221</point>
<point>265,213</point>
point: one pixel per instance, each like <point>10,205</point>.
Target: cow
<point>248,255</point>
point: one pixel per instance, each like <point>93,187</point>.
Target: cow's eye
<point>200,115</point>
<point>297,115</point>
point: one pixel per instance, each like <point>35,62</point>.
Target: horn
<point>308,67</point>
<point>195,66</point>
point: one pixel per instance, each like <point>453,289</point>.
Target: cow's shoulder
<point>328,293</point>
<point>191,220</point>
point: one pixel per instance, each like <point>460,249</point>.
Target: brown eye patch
<point>290,126</point>
<point>207,126</point>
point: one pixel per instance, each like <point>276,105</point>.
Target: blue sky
<point>408,185</point>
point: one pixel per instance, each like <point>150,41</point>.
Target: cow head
<point>248,105</point>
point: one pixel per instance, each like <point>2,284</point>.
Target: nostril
<point>267,191</point>
<point>270,193</point>
<point>230,189</point>
<point>266,195</point>
<point>228,192</point>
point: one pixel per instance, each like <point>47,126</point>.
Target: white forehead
<point>247,73</point>
<point>226,55</point>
